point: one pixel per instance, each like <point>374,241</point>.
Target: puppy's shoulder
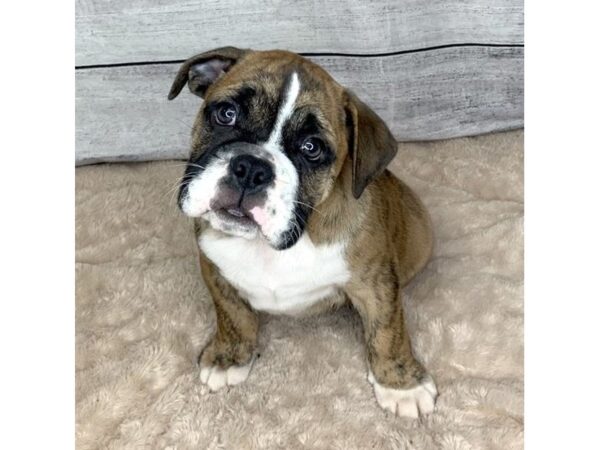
<point>393,194</point>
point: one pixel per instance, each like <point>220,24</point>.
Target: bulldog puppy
<point>296,212</point>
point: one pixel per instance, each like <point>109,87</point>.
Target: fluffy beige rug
<point>143,315</point>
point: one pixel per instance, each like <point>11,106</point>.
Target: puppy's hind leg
<point>400,383</point>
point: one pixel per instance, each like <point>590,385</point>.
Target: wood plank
<point>123,113</point>
<point>122,31</point>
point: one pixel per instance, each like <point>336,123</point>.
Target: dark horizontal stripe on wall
<point>348,55</point>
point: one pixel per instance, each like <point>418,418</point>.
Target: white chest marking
<point>287,281</point>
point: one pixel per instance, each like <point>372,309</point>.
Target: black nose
<point>250,173</point>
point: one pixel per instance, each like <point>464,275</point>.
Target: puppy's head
<point>270,141</point>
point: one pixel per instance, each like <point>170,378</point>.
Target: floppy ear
<point>202,70</point>
<point>372,145</point>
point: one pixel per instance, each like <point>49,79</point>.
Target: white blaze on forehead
<point>281,197</point>
<point>284,113</point>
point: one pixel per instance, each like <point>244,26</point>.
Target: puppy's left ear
<point>202,70</point>
<point>371,144</point>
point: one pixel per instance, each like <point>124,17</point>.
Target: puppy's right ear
<point>202,70</point>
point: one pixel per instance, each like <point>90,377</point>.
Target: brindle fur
<point>235,340</point>
<point>386,227</point>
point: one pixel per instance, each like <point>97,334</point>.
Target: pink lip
<point>259,215</point>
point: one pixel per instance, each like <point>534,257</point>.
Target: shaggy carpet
<point>143,315</point>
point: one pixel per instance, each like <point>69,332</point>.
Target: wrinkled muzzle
<point>244,190</point>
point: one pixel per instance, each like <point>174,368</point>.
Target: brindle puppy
<point>296,212</point>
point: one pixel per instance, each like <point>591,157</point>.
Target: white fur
<point>284,113</point>
<point>406,402</point>
<point>216,378</point>
<point>278,281</point>
<point>282,195</point>
<point>202,188</point>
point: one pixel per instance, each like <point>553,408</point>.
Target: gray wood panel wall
<point>432,70</point>
<point>122,31</point>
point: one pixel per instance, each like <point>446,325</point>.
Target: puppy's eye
<point>226,115</point>
<point>312,149</point>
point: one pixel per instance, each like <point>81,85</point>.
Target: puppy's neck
<point>339,216</point>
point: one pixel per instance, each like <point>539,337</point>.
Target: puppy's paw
<point>216,378</point>
<point>406,402</point>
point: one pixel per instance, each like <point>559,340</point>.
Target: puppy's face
<point>268,143</point>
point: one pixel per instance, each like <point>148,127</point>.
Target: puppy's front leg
<point>228,357</point>
<point>401,384</point>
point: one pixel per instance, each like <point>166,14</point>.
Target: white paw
<point>216,378</point>
<point>406,402</point>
